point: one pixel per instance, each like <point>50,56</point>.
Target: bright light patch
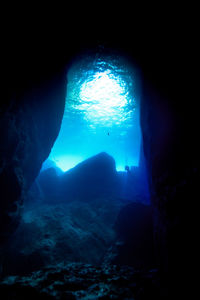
<point>101,113</point>
<point>103,97</point>
<point>67,162</point>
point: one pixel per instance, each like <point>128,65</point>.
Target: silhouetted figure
<point>108,133</point>
<point>127,169</point>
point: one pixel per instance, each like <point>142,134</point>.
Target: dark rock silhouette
<point>29,126</point>
<point>94,177</point>
<point>169,137</point>
<point>134,229</point>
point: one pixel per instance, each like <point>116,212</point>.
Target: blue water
<point>101,113</point>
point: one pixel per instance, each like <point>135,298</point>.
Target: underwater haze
<point>101,113</point>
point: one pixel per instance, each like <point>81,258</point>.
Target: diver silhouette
<point>127,169</point>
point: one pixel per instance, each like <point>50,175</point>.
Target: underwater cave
<point>101,112</point>
<point>90,203</point>
<point>93,188</point>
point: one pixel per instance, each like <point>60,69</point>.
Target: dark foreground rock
<point>134,226</point>
<point>30,120</point>
<point>76,217</point>
<point>103,231</point>
<point>70,232</point>
<point>134,245</point>
<point>82,281</point>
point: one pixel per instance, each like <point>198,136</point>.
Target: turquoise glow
<point>67,162</point>
<point>101,114</point>
<point>103,98</point>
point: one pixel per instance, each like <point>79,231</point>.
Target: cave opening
<point>101,113</point>
<point>60,222</point>
<point>90,202</point>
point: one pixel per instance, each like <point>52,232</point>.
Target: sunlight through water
<point>104,98</point>
<point>101,113</point>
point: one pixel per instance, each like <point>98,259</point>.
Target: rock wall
<point>169,127</point>
<point>30,118</point>
<point>134,231</point>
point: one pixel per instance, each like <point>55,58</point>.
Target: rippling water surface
<point>101,113</point>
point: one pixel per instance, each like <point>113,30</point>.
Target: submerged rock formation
<point>93,178</point>
<point>77,217</point>
<point>64,232</point>
<point>67,218</point>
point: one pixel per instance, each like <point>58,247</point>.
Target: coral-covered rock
<point>82,281</point>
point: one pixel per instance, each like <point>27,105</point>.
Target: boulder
<point>93,178</point>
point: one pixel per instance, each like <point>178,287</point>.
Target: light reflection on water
<point>104,95</point>
<point>101,114</point>
<point>104,99</point>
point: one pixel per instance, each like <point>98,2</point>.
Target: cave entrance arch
<point>101,112</point>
